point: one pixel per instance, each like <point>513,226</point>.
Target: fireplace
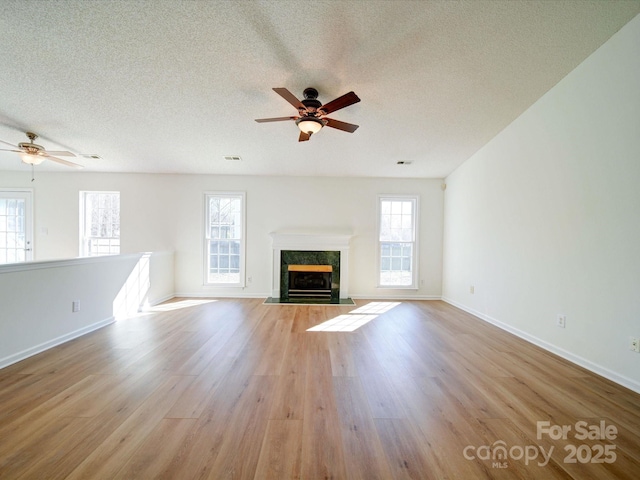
<point>317,251</point>
<point>309,281</point>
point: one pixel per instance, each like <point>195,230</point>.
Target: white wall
<point>36,301</point>
<point>545,219</point>
<point>343,205</point>
<point>165,213</point>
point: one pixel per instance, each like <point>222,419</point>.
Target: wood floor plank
<point>382,398</point>
<point>288,401</point>
<point>405,453</point>
<point>239,452</point>
<point>394,353</point>
<point>363,449</point>
<point>340,351</point>
<point>322,453</point>
<point>234,388</point>
<point>281,453</point>
<point>157,450</point>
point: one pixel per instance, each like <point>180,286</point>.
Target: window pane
<point>396,263</point>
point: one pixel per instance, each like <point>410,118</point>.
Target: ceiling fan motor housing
<point>31,148</point>
<point>311,101</point>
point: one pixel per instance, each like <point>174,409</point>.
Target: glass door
<point>16,236</point>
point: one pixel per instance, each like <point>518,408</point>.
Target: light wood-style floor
<point>234,389</point>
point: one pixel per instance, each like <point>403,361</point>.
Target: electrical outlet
<point>561,321</point>
<point>472,289</point>
<point>634,344</point>
<point>75,306</point>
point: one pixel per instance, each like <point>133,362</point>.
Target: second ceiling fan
<point>312,112</point>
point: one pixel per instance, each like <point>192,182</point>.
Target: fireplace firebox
<point>310,281</point>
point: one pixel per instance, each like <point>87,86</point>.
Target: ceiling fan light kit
<point>312,112</point>
<point>31,159</point>
<point>309,125</point>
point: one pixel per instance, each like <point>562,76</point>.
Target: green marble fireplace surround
<point>309,257</point>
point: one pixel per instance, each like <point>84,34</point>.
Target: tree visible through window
<point>397,242</point>
<point>225,238</point>
<point>99,223</point>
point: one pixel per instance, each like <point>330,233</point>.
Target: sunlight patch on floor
<point>375,307</point>
<point>355,318</point>
<point>167,307</point>
<point>343,323</point>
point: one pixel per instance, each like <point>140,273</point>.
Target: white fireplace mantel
<point>309,242</point>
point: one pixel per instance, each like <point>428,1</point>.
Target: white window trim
<point>81,218</point>
<point>205,239</point>
<point>415,278</point>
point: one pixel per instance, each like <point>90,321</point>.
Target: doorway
<point>16,226</point>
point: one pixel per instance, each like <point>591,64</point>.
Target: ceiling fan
<point>33,154</point>
<point>312,113</point>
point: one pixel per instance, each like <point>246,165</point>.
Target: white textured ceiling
<point>174,86</point>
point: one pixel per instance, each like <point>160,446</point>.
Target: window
<point>99,223</point>
<point>397,240</point>
<point>224,239</point>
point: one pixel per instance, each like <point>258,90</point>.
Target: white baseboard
<point>267,295</point>
<point>396,297</point>
<point>29,352</point>
<point>221,295</point>
<point>158,301</point>
<point>578,360</point>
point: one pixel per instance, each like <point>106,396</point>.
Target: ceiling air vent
<point>234,158</point>
<point>403,162</point>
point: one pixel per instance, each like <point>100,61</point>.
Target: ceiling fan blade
<point>304,137</point>
<point>277,119</point>
<point>340,102</point>
<point>289,97</point>
<point>61,153</point>
<point>7,150</point>
<point>62,162</point>
<point>10,144</point>
<point>344,126</point>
